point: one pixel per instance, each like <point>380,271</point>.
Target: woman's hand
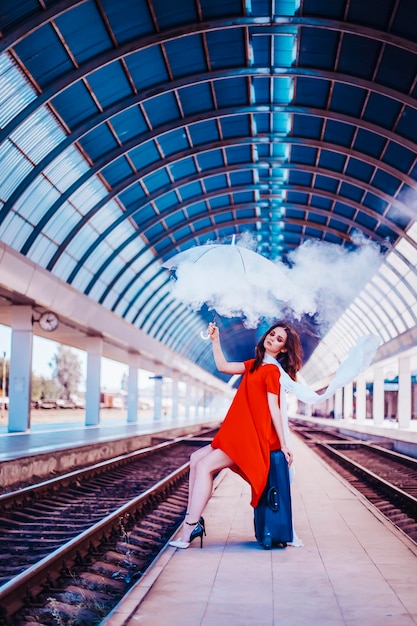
<point>213,331</point>
<point>288,455</point>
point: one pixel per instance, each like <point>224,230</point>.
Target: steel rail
<point>33,580</point>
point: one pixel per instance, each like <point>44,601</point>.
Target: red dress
<point>247,433</point>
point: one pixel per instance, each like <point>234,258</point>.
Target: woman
<point>252,427</point>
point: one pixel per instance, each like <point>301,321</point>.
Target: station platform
<point>354,569</point>
<point>49,449</point>
<point>51,437</point>
<point>401,440</point>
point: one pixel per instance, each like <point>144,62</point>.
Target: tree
<point>67,370</point>
<point>4,378</point>
<point>44,388</point>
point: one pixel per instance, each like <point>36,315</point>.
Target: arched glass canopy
<point>133,130</point>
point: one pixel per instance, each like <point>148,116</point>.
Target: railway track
<point>385,478</point>
<point>71,547</point>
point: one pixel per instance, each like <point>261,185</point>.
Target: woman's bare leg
<point>194,459</point>
<point>205,466</point>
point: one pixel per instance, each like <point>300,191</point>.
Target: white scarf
<point>358,360</point>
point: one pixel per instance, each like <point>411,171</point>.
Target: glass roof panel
<point>84,31</point>
<point>186,55</point>
<point>43,54</point>
<point>173,142</point>
<point>62,222</point>
<point>398,263</point>
<point>110,84</point>
<point>42,250</point>
<point>408,251</point>
<point>230,39</point>
<point>139,22</point>
<point>129,123</point>
<point>161,109</point>
<point>38,135</point>
<point>147,67</point>
<point>66,169</point>
<point>15,92</point>
<point>14,168</point>
<point>75,104</point>
<point>14,230</point>
<point>196,98</point>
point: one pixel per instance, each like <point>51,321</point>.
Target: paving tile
<point>352,571</point>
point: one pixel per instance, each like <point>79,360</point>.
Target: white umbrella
<point>231,279</point>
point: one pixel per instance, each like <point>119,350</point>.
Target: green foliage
<point>67,371</point>
<point>66,376</point>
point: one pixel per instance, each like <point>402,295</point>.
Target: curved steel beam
<point>175,158</point>
<point>141,43</point>
<point>127,182</point>
<point>28,25</point>
<point>135,143</point>
<point>131,101</point>
<point>327,173</point>
<point>302,223</point>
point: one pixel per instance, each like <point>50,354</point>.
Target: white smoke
<point>321,279</point>
<point>326,277</point>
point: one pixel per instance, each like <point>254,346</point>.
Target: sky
<point>44,351</point>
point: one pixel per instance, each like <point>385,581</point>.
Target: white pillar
<point>175,380</point>
<point>157,397</point>
<point>338,404</point>
<point>378,396</point>
<point>330,406</point>
<point>348,401</point>
<point>205,401</point>
<point>92,395</point>
<point>361,398</point>
<point>196,399</point>
<point>132,388</point>
<point>188,397</point>
<point>404,392</point>
<point>20,374</point>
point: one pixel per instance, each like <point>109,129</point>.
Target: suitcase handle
<point>272,499</point>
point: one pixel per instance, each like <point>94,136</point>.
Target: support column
<point>378,396</point>
<point>157,397</point>
<point>175,380</point>
<point>20,374</point>
<point>205,401</point>
<point>361,398</point>
<point>133,388</point>
<point>348,401</point>
<point>92,395</point>
<point>404,392</point>
<point>338,404</point>
<point>330,407</point>
<point>196,400</point>
<point>188,395</point>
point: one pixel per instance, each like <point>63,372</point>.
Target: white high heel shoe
<point>177,543</point>
<point>197,531</point>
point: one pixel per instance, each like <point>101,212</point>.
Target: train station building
<point>169,163</point>
<point>133,132</point>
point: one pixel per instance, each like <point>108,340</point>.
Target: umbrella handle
<point>206,336</point>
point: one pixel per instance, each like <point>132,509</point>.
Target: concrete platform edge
<point>124,610</point>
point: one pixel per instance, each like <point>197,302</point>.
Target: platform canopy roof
<point>136,129</point>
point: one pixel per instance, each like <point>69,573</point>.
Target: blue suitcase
<point>273,515</point>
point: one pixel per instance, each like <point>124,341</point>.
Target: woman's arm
<point>228,367</point>
<point>279,427</point>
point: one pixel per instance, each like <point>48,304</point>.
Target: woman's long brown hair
<point>292,359</point>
